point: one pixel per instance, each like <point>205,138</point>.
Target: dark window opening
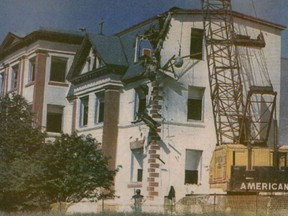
<point>196,43</point>
<point>1,83</point>
<point>54,118</point>
<point>139,175</point>
<point>99,115</point>
<point>54,122</point>
<point>58,69</point>
<point>194,109</point>
<point>32,68</point>
<point>195,103</point>
<point>14,81</point>
<point>192,166</point>
<point>147,52</point>
<point>141,105</point>
<point>140,100</point>
<point>191,176</point>
<point>84,111</point>
<point>101,112</point>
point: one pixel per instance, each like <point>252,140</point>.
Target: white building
<point>172,140</point>
<point>36,66</point>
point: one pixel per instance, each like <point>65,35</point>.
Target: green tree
<point>35,173</point>
<point>18,137</point>
<point>19,141</point>
<point>75,169</point>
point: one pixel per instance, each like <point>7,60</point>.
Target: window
<point>195,103</point>
<point>31,75</point>
<point>140,100</point>
<point>192,166</point>
<point>143,48</point>
<point>99,108</point>
<point>1,83</point>
<point>54,118</point>
<point>84,109</point>
<point>98,63</point>
<point>58,69</point>
<point>14,78</point>
<point>137,166</point>
<point>196,43</point>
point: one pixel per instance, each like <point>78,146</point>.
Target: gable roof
<point>13,42</point>
<point>10,39</point>
<point>108,48</point>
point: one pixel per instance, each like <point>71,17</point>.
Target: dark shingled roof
<point>134,71</point>
<point>109,48</point>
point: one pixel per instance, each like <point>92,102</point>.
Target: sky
<point>24,16</point>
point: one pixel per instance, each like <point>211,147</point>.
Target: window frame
<point>54,76</point>
<point>15,76</point>
<point>137,164</point>
<point>195,94</point>
<point>195,39</point>
<point>142,44</point>
<point>140,103</point>
<point>99,107</point>
<point>32,70</point>
<point>1,83</point>
<point>84,111</point>
<point>196,174</point>
<point>54,110</point>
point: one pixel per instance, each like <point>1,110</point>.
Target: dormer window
<point>98,63</point>
<point>93,62</point>
<point>143,48</point>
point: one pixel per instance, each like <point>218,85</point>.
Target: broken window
<point>54,118</point>
<point>99,107</point>
<point>143,48</point>
<point>31,75</point>
<point>137,166</point>
<point>196,45</point>
<point>14,78</point>
<point>195,103</point>
<point>58,69</point>
<point>84,109</point>
<point>140,100</point>
<point>193,161</point>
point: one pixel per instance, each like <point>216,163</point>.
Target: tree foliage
<point>76,169</point>
<point>35,173</point>
<point>19,142</point>
<point>18,137</point>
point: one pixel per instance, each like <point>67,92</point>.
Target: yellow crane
<point>245,158</point>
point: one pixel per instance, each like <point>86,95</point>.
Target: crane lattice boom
<point>235,121</point>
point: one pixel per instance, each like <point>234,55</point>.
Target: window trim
<point>99,107</point>
<point>84,114</point>
<point>14,80</point>
<point>195,40</point>
<point>139,50</point>
<point>2,83</point>
<point>195,97</point>
<point>199,167</point>
<point>54,110</point>
<point>59,59</point>
<point>136,166</point>
<point>32,70</point>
